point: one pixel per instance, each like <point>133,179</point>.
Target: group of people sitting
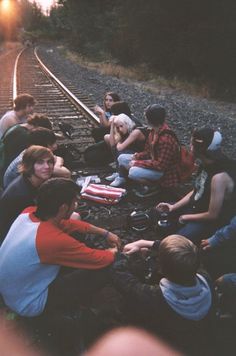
<point>46,267</point>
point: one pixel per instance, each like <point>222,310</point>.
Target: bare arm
<point>59,170</point>
<point>137,246</point>
<point>135,135</point>
<point>102,116</point>
<point>219,185</point>
<point>11,121</point>
<point>112,239</point>
<point>179,204</point>
<point>112,139</point>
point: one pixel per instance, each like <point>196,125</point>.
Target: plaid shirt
<point>162,154</point>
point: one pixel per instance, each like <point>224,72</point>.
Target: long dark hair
<point>114,96</point>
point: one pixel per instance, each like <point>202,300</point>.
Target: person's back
<point>12,170</point>
<point>180,307</point>
<point>39,243</point>
<point>8,116</point>
<point>17,135</point>
<point>16,139</point>
<point>23,254</point>
<point>18,195</point>
<point>157,165</point>
<point>23,106</point>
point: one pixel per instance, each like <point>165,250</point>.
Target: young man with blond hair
<point>177,308</point>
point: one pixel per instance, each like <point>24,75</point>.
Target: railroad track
<point>67,104</point>
<point>61,104</point>
<point>7,62</point>
<point>55,100</point>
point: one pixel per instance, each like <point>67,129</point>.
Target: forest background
<point>187,39</point>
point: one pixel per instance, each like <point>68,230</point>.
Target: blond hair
<point>179,259</point>
<point>126,121</point>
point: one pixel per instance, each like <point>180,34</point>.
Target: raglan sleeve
<point>55,246</point>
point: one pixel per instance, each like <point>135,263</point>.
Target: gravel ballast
<point>185,112</point>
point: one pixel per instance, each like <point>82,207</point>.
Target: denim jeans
<point>192,230</point>
<point>136,173</point>
<point>197,230</point>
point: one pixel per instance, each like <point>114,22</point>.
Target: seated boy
<point>211,204</point>
<point>157,165</point>
<point>179,307</point>
<point>42,267</point>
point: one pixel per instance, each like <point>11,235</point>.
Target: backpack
<point>186,164</point>
<point>98,154</point>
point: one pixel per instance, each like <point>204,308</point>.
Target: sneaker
<point>112,177</point>
<point>113,165</point>
<point>118,182</point>
<point>146,191</point>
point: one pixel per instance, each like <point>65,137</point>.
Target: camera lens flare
<point>5,6</point>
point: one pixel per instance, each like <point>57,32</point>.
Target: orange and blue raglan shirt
<point>31,256</point>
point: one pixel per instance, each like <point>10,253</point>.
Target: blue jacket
<point>224,236</point>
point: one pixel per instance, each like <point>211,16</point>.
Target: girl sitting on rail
<point>104,114</point>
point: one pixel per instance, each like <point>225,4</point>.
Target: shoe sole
<point>110,179</point>
<point>140,195</point>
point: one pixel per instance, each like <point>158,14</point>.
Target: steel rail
<point>14,85</point>
<point>66,91</point>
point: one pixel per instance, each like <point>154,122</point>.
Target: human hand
<point>98,110</point>
<point>205,245</point>
<point>164,207</point>
<point>111,119</point>
<point>114,250</point>
<point>132,163</point>
<point>113,240</point>
<point>182,219</point>
<point>131,248</point>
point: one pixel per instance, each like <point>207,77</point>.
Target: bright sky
<point>45,4</point>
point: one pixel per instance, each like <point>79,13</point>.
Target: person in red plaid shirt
<point>159,160</point>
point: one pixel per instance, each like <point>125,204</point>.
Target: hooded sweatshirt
<point>192,302</point>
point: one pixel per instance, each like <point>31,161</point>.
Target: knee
<point>107,139</point>
<point>226,281</point>
<point>133,173</point>
<point>122,160</point>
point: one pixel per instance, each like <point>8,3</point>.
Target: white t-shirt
<point>9,119</point>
